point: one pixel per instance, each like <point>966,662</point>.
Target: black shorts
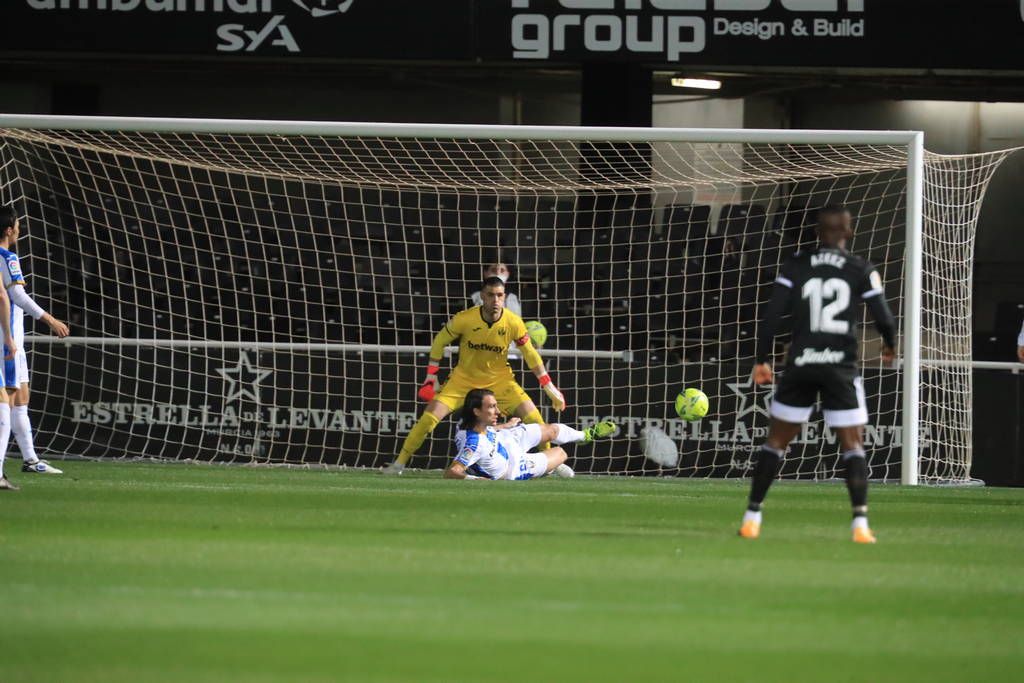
<point>841,390</point>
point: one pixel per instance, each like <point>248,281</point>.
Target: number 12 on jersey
<point>823,316</point>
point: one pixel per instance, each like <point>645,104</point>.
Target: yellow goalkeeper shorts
<point>508,393</point>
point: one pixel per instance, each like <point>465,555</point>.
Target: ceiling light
<point>701,83</point>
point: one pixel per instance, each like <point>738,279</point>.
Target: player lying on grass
<point>484,333</point>
<point>488,450</point>
<point>820,289</point>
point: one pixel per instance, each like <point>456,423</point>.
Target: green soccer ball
<point>538,333</point>
<point>692,404</point>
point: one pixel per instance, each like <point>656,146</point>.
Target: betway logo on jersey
<point>670,28</point>
<point>815,357</point>
<point>232,37</point>
<point>484,347</point>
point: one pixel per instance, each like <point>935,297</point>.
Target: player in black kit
<point>820,289</point>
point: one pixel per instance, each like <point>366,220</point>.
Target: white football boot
<point>394,468</point>
<point>563,470</point>
<point>40,467</point>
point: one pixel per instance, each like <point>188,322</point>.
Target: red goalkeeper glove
<point>429,386</point>
<point>557,399</point>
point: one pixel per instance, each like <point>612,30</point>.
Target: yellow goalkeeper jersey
<point>483,346</point>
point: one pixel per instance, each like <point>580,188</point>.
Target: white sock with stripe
<point>21,425</point>
<point>567,434</point>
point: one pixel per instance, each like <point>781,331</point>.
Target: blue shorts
<point>10,372</point>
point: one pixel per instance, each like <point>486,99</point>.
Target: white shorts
<point>15,371</point>
<point>21,366</point>
<point>521,463</point>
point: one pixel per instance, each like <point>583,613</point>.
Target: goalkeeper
<point>484,333</point>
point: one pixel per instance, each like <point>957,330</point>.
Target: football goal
<point>266,291</point>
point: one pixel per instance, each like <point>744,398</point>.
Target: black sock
<point>857,481</point>
<point>769,461</point>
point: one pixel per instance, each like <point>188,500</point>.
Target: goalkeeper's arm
<point>536,364</point>
<point>429,386</point>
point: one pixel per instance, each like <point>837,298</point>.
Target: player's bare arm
<point>456,471</point>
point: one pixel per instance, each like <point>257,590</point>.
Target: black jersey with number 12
<point>826,287</point>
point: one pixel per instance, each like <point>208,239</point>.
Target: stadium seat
<point>602,256</point>
<point>410,222</point>
<point>764,253</point>
<point>746,342</point>
<point>432,234</point>
<point>529,238</point>
<point>566,329</point>
<point>621,291</point>
<point>798,226</point>
<point>684,228</point>
<point>474,240</point>
<point>549,309</point>
<point>391,215</point>
<point>741,220</point>
<point>604,329</point>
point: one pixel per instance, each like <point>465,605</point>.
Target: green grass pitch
<point>148,572</point>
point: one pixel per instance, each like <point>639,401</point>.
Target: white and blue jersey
<point>12,274</point>
<point>482,455</point>
<point>501,454</point>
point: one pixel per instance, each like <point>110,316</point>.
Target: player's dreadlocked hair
<point>829,232</point>
<point>474,400</point>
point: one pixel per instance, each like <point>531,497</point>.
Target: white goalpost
<point>266,291</point>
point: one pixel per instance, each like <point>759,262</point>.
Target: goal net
<point>265,292</point>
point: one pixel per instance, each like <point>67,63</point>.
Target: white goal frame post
<point>910,361</point>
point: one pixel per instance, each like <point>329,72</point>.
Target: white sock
<point>5,433</point>
<point>859,522</point>
<point>567,434</point>
<point>21,425</point>
<point>750,516</point>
